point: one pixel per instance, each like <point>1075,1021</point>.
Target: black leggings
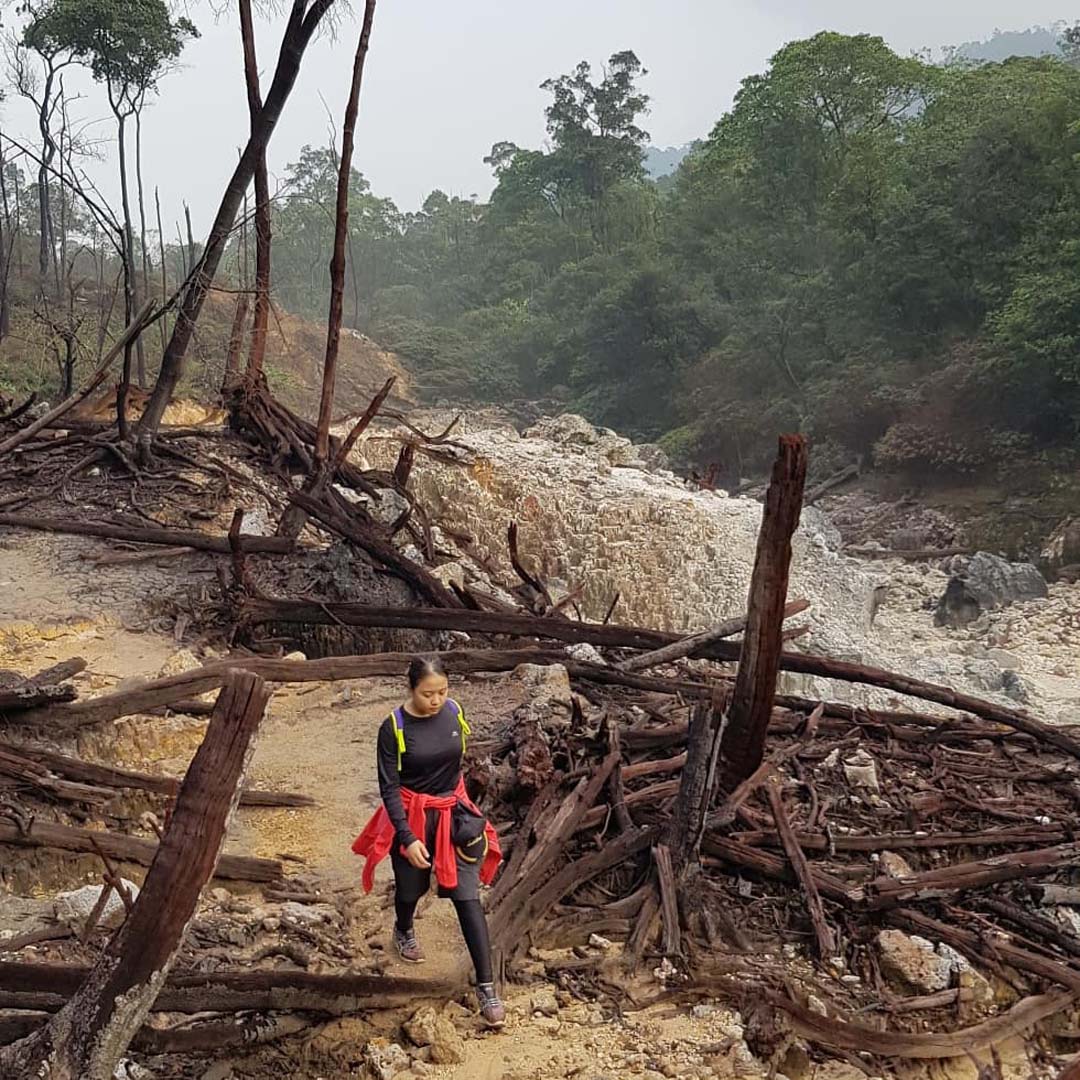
<point>474,929</point>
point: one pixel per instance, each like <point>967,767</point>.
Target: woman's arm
<point>390,783</point>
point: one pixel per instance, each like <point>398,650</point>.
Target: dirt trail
<point>317,739</point>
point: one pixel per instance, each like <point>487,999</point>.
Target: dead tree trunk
<point>87,1038</point>
<point>341,232</point>
<point>743,744</point>
<point>261,316</point>
<point>236,343</point>
<point>690,813</point>
<point>303,21</point>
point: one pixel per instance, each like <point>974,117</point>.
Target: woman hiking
<point>427,819</point>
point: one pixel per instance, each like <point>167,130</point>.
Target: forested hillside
<point>878,250</point>
<point>875,249</point>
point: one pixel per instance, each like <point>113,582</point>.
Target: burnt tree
<point>743,744</point>
<point>261,317</point>
<point>341,232</point>
<point>304,19</point>
<point>87,1038</point>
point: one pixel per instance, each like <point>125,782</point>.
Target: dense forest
<point>876,249</point>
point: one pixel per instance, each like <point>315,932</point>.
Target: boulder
<point>74,907</point>
<point>569,429</point>
<point>544,682</point>
<point>428,1028</point>
<point>385,1060</point>
<point>913,962</point>
<point>1062,550</point>
<point>544,1002</point>
<point>987,583</point>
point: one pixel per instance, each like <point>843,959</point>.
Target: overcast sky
<point>445,80</point>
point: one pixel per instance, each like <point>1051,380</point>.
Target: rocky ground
<point>621,508</point>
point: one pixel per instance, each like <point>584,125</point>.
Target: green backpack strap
<point>466,731</point>
<point>399,730</point>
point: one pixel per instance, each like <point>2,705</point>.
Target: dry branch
<point>678,649</point>
<point>826,941</point>
<point>845,1035</point>
<point>188,538</point>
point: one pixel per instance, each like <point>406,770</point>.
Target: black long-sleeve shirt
<point>431,764</point>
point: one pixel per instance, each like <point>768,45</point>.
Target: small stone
<point>544,1002</point>
<point>385,1060</point>
<point>584,652</point>
<point>861,771</point>
<point>895,866</point>
<point>598,942</point>
<point>702,1012</point>
<point>271,924</point>
<point>296,657</point>
<point>305,914</point>
<point>913,961</point>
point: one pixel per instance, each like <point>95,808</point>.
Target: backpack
<point>399,730</point>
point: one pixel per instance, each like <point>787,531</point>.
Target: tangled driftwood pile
<point>722,831</point>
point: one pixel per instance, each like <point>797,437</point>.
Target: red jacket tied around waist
<point>378,837</point>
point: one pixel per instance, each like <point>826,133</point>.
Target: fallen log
<point>188,538</point>
<point>849,472</point>
<point>333,994</point>
<point>109,777</point>
<point>34,775</point>
<point>58,673</point>
<point>1021,836</point>
<point>846,1035</point>
<point>720,850</point>
<point>129,849</point>
<point>172,688</point>
<point>89,1035</point>
<point>886,892</point>
<point>488,622</point>
<point>26,697</point>
<point>910,554</point>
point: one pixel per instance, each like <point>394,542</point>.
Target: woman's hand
<point>418,855</point>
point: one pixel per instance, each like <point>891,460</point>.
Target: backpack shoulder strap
<point>398,722</point>
<point>463,724</point>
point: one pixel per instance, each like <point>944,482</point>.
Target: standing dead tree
<point>742,745</point>
<point>261,316</point>
<point>322,468</point>
<point>341,232</point>
<point>304,19</point>
<point>87,1038</point>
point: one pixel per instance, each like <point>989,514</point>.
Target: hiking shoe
<point>407,946</point>
<point>491,1008</point>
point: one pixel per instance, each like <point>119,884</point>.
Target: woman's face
<point>429,695</point>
